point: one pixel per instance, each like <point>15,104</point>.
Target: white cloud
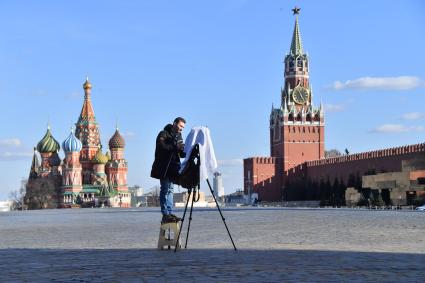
<point>230,162</point>
<point>333,107</point>
<point>397,128</point>
<point>380,83</point>
<point>14,142</point>
<point>413,116</point>
<point>14,155</point>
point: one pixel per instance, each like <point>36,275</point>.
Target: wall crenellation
<point>393,151</point>
<point>263,160</point>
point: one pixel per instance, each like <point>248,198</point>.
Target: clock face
<point>300,95</point>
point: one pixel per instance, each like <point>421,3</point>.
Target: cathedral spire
<point>34,165</point>
<point>296,43</point>
<point>87,131</point>
<point>87,113</point>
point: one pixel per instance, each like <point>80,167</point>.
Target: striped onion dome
<point>48,143</point>
<point>72,143</point>
<point>117,141</point>
<point>100,158</point>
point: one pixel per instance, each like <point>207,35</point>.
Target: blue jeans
<point>166,196</point>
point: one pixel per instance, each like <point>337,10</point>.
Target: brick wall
<point>263,176</point>
<point>378,161</point>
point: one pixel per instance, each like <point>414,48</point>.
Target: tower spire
<point>87,112</point>
<point>296,43</point>
<point>87,131</point>
<point>34,165</point>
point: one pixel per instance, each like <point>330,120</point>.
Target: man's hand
<point>180,146</point>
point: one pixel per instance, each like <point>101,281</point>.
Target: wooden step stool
<point>168,234</point>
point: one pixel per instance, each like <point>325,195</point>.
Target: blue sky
<point>216,63</point>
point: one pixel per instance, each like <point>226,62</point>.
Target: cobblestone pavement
<point>274,245</point>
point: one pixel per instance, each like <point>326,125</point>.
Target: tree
<point>332,153</point>
<point>341,193</point>
<point>326,192</point>
<point>377,200</point>
<point>351,180</point>
<point>334,192</point>
<point>17,196</point>
<point>358,181</point>
<point>41,193</point>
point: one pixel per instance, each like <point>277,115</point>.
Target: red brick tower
<point>71,169</point>
<point>117,169</point>
<point>297,127</point>
<point>87,131</point>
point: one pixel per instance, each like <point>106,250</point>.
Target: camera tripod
<point>192,192</point>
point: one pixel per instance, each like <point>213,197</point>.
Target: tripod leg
<point>184,214</point>
<point>222,217</point>
<point>190,218</point>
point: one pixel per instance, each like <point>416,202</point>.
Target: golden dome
<point>87,84</point>
<point>100,158</point>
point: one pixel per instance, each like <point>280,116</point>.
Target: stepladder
<point>168,236</point>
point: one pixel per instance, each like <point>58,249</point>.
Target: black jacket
<point>167,156</point>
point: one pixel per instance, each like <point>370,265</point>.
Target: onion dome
<point>72,143</point>
<point>100,158</point>
<point>48,143</point>
<point>55,160</point>
<point>87,84</point>
<point>117,141</point>
<point>108,154</point>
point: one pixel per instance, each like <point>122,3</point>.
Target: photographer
<point>168,151</point>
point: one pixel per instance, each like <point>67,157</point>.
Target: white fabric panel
<point>201,135</point>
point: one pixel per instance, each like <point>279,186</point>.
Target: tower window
<point>299,63</point>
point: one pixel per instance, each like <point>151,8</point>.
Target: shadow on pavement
<point>206,265</point>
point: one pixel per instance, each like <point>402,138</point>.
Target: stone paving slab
<point>274,245</point>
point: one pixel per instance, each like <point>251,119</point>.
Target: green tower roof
<point>296,43</point>
<point>48,143</point>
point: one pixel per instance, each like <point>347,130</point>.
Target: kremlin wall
<point>298,169</point>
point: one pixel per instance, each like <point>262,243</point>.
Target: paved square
<point>274,245</point>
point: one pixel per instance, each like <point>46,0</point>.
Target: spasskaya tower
<point>297,126</point>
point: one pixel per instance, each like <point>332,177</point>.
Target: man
<point>168,151</point>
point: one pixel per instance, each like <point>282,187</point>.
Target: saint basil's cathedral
<point>86,177</point>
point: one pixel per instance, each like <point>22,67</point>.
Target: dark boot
<point>166,218</point>
<point>176,218</point>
